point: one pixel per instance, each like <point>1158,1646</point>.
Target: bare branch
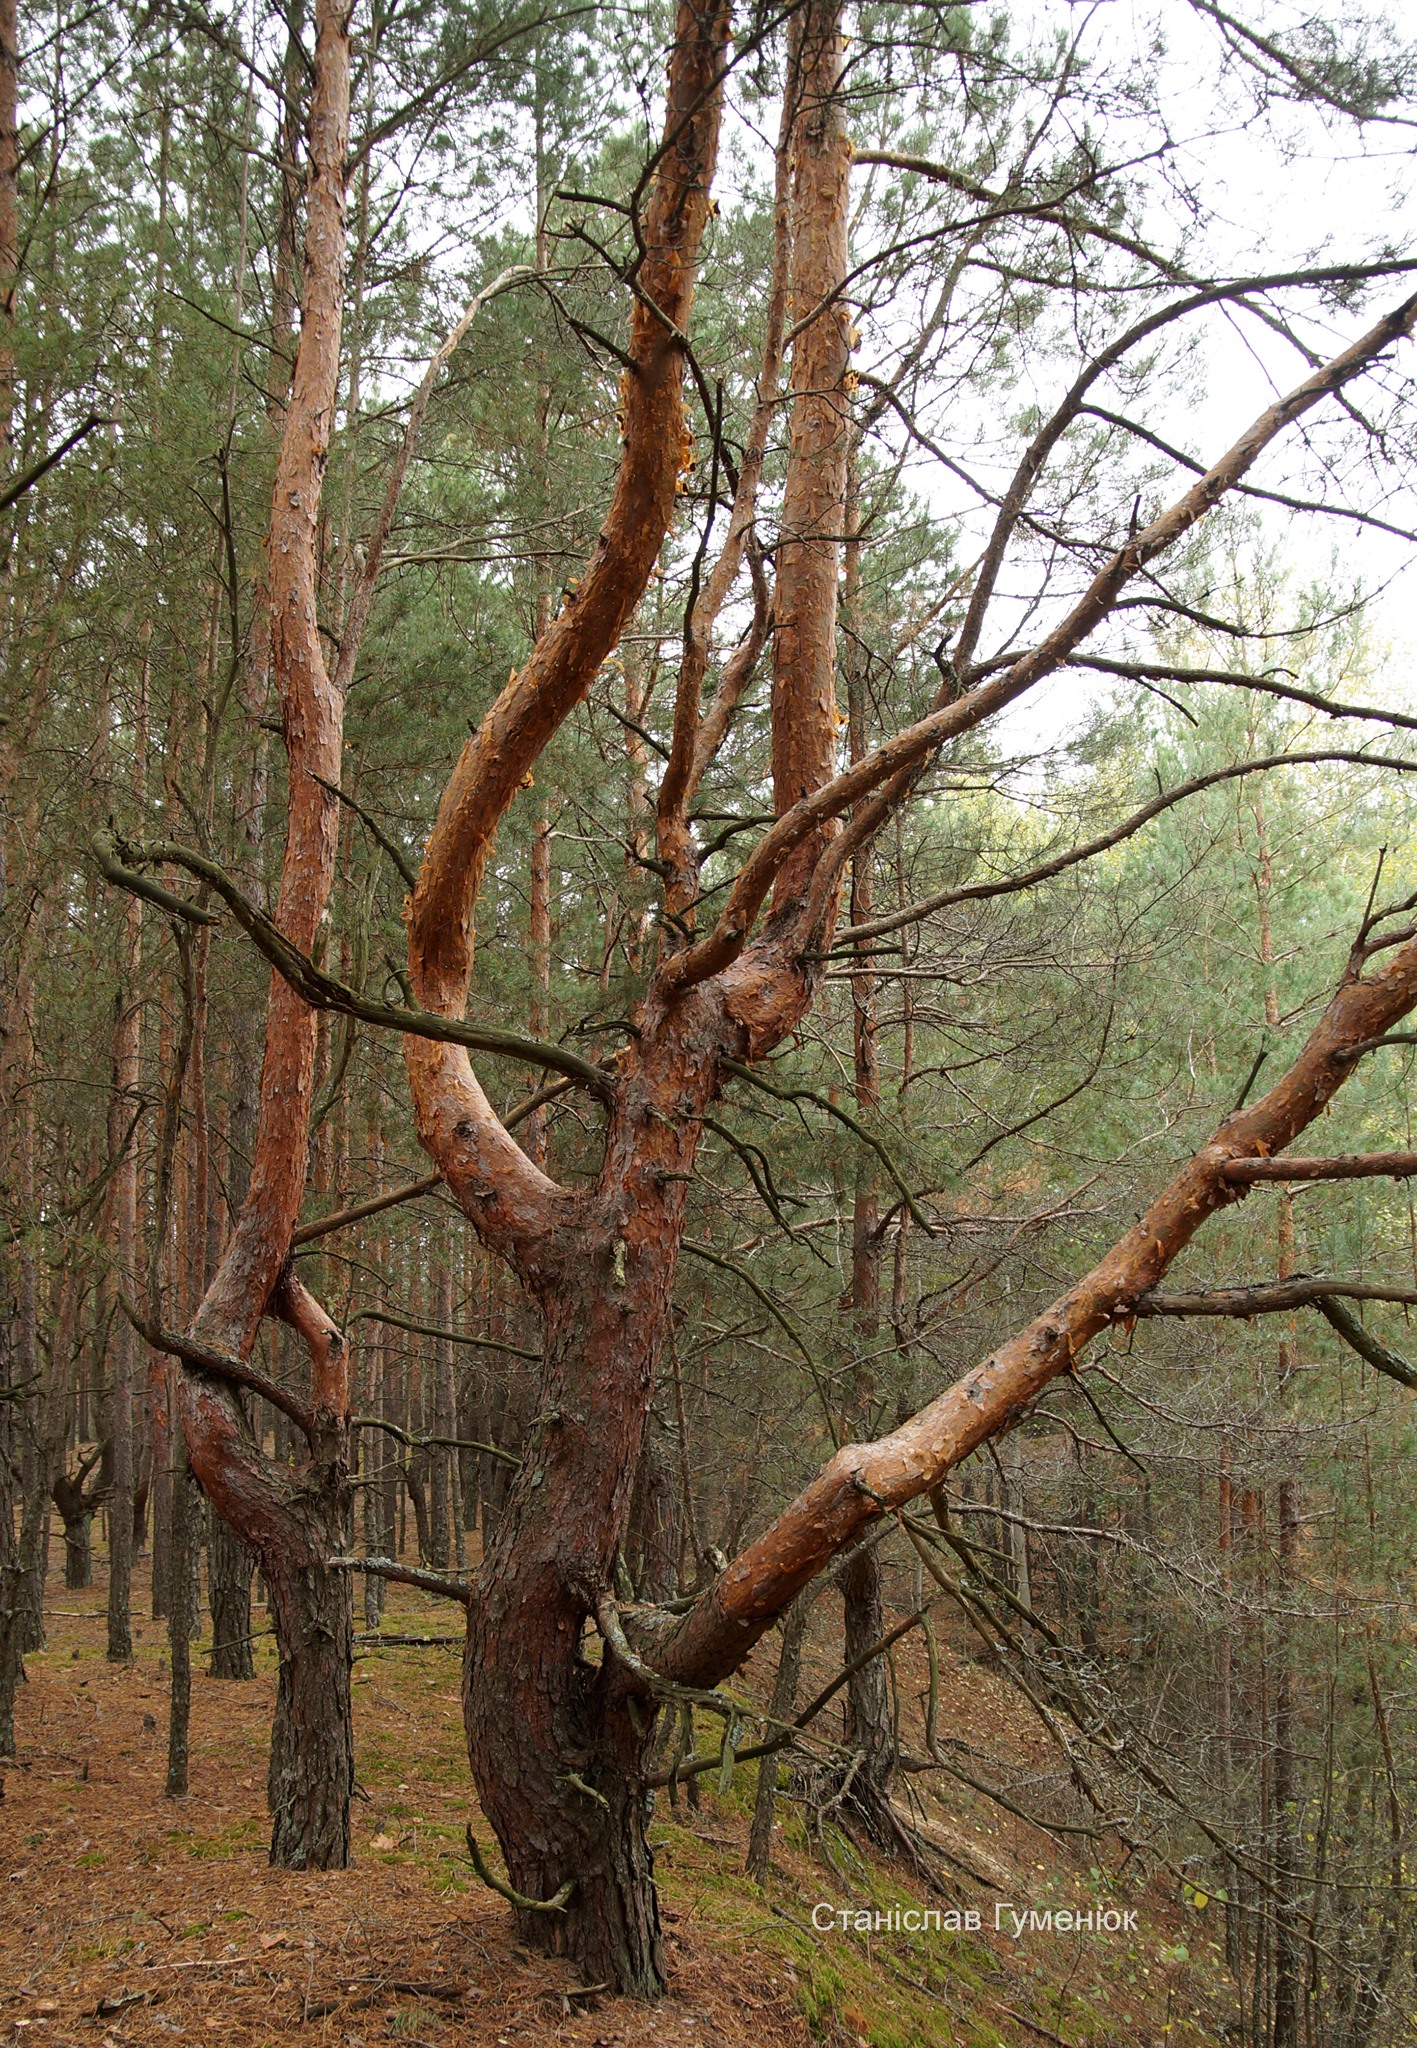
<point>341,1219</point>
<point>1167,672</point>
<point>1352,1166</point>
<point>1008,885</point>
<point>1365,1343</point>
<point>219,1365</point>
<point>804,818</point>
<point>324,992</point>
<point>1267,1297</point>
<point>404,1575</point>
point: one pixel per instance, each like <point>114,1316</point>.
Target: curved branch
<point>512,1203</point>
<point>1008,885</point>
<point>104,848</point>
<point>446,1443</point>
<point>324,992</point>
<point>219,1365</point>
<point>844,1116</point>
<point>1365,1343</point>
<point>1276,1296</point>
<point>379,1315</point>
<point>557,1903</point>
<point>1167,672</point>
<point>1003,206</point>
<point>1041,447</point>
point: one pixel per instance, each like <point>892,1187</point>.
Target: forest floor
<point>129,1919</point>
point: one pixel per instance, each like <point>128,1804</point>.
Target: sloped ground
<point>129,1918</point>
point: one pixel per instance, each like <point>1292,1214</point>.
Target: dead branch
<point>1352,1166</point>
<point>234,1372</point>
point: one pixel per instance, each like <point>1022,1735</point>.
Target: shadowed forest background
<point>475,474</point>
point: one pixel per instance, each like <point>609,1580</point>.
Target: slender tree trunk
<point>126,1351</point>
<point>295,1526</point>
<point>652,1544</point>
<point>181,1613</point>
<point>868,1730</point>
<point>375,1447</point>
<point>9,215</point>
<point>1288,1945</point>
<point>16,1604</point>
<point>780,1706</point>
<point>22,1572</point>
<point>229,1568</point>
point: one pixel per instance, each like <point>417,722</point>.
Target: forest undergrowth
<point>133,1918</point>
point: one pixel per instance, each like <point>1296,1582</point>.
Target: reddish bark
<point>515,1207</point>
<point>804,725</point>
<point>294,1524</point>
<point>601,1265</point>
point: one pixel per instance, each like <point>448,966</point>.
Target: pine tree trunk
<point>181,1612</point>
<point>311,1776</point>
<point>868,1709</point>
<point>125,1351</point>
<point>1288,1945</point>
<point>784,1699</point>
<point>229,1568</point>
<point>78,1552</point>
<point>22,1583</point>
<point>537,1712</point>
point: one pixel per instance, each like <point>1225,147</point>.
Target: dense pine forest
<point>709,916</point>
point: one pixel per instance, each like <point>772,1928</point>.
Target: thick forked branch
<point>864,1481</point>
<point>511,1201</point>
<point>807,817</point>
